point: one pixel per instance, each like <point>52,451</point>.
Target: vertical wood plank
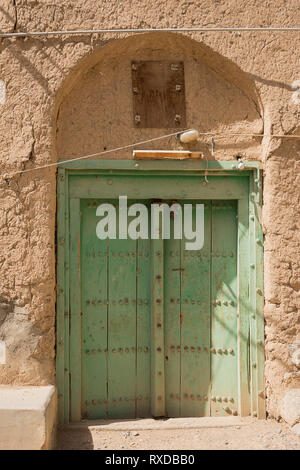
<point>143,325</point>
<point>224,350</point>
<point>243,307</point>
<point>67,306</point>
<point>60,359</point>
<point>122,318</point>
<point>94,314</point>
<point>172,306</point>
<point>195,323</point>
<point>75,311</point>
<point>157,329</point>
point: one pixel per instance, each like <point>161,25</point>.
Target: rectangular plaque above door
<point>158,94</point>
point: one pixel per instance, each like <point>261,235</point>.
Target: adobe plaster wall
<point>71,95</point>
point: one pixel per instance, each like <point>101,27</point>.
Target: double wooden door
<point>159,322</point>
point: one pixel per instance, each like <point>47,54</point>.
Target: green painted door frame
<point>107,179</point>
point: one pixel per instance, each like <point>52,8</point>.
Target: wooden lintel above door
<point>160,154</point>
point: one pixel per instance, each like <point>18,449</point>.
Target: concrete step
<point>27,417</point>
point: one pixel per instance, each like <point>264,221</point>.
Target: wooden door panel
<point>122,350</point>
<point>224,366</point>
<point>143,316</point>
<point>94,315</point>
<point>195,325</point>
<point>115,322</point>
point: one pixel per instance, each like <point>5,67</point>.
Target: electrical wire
<point>117,149</point>
<point>149,30</point>
<point>8,176</point>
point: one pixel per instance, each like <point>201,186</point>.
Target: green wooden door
<point>145,327</point>
<point>115,322</point>
<point>187,333</point>
<point>201,319</point>
<point>194,339</point>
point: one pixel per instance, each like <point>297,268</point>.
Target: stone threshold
<point>149,424</point>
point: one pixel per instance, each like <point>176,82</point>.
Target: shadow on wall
<point>95,110</point>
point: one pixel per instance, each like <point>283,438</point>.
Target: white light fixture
<point>189,136</point>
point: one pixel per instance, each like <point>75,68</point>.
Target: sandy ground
<point>248,435</point>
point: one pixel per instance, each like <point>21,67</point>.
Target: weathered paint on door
<point>145,327</point>
<point>199,328</point>
<point>115,285</point>
<point>201,319</point>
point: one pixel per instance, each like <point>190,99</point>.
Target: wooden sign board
<point>158,90</point>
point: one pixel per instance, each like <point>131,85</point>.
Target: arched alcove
<point>95,105</point>
<point>95,113</point>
